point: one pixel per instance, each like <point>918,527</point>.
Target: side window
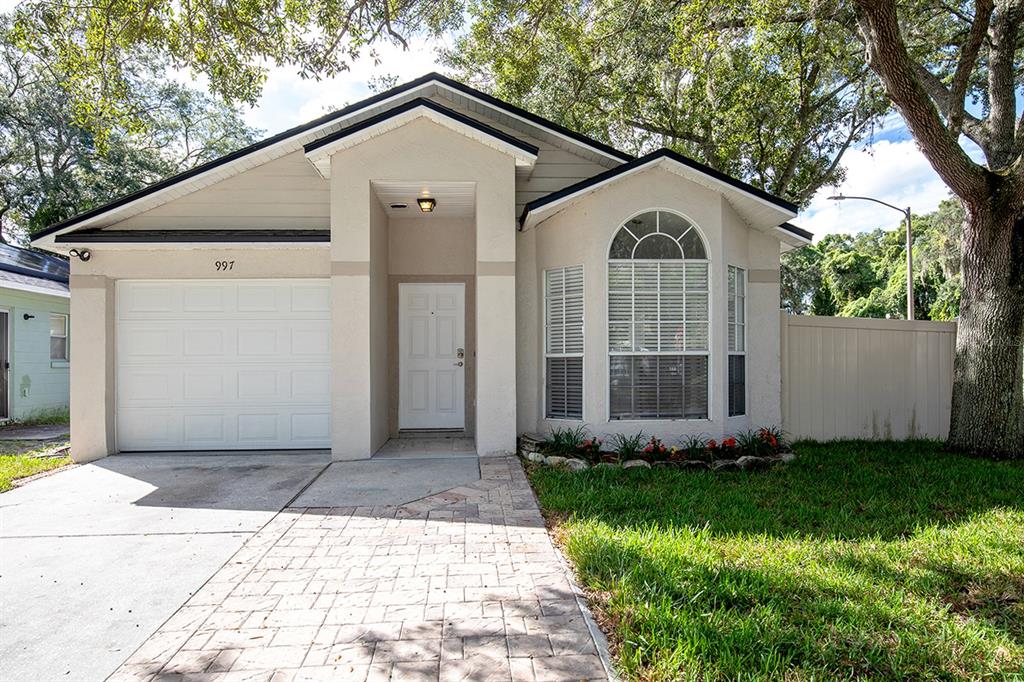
<point>563,342</point>
<point>58,336</point>
<point>737,296</point>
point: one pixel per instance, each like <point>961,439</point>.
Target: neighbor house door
<point>5,365</point>
<point>432,357</point>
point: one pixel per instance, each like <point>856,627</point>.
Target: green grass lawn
<point>859,560</point>
<point>19,459</point>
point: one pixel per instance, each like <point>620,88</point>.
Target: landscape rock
<point>752,463</point>
<point>725,465</point>
<point>532,456</point>
<point>577,465</point>
<point>555,461</point>
<point>693,465</point>
<point>635,463</point>
<point>786,457</point>
<point>530,442</point>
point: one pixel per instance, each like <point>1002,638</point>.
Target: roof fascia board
<point>793,235</point>
<point>18,286</point>
<point>196,237</point>
<point>320,151</point>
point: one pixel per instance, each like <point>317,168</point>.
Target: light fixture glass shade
<point>426,204</point>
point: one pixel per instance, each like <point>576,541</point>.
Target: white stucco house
<point>430,258</point>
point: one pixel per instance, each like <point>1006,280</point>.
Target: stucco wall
<point>581,234</point>
<point>421,246</point>
<point>36,383</point>
<point>379,355</point>
<point>422,151</point>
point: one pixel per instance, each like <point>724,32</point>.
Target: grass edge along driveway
<point>860,559</point>
<point>21,459</point>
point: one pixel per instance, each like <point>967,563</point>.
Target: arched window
<point>658,319</point>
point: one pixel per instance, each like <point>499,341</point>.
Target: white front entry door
<point>432,358</point>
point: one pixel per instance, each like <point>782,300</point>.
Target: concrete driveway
<point>94,559</point>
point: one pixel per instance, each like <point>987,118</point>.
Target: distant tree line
<point>52,166</point>
<point>865,275</point>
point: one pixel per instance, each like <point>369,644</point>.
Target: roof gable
<point>760,209</point>
<point>319,152</point>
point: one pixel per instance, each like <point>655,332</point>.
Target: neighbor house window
<point>658,316</point>
<point>563,342</point>
<point>737,326</point>
<point>58,337</point>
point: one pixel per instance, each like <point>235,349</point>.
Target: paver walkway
<point>462,585</point>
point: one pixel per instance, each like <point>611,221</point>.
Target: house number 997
<point>223,265</point>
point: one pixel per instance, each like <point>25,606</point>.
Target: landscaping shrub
<point>565,442</point>
<point>590,450</point>
<point>628,447</point>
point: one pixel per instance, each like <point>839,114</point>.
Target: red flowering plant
<point>655,451</point>
<point>773,439</point>
<point>765,442</point>
<point>590,450</point>
<point>725,450</point>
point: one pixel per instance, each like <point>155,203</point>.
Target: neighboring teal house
<point>34,344</point>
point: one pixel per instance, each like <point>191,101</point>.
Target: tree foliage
<point>51,167</point>
<point>232,44</point>
<point>775,103</point>
<point>865,275</point>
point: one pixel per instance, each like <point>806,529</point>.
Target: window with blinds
<point>737,325</point>
<point>658,319</point>
<point>563,342</point>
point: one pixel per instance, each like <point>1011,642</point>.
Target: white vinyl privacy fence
<point>866,378</point>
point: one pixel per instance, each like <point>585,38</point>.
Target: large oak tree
<point>980,60</point>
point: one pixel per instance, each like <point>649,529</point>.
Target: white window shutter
<point>563,342</point>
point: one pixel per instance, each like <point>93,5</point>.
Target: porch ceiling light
<point>426,204</point>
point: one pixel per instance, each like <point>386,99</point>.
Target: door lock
<point>460,363</point>
<point>460,353</point>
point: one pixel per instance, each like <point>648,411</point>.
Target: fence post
<point>784,366</point>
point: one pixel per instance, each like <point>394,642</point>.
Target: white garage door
<point>232,365</point>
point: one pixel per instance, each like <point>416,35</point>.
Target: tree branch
<point>887,56</point>
<point>964,68</point>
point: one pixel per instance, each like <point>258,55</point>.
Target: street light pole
<point>910,245</point>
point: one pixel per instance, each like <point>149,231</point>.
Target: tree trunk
<point>988,371</point>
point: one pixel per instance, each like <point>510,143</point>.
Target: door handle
<point>459,363</point>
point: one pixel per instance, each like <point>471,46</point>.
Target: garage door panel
<point>206,342</point>
<point>310,385</point>
<point>223,365</point>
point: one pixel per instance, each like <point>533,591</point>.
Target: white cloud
<point>289,100</point>
<point>892,171</point>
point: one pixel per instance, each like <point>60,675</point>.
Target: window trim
<point>729,353</point>
<point>67,347</point>
<point>608,353</point>
<point>582,355</point>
